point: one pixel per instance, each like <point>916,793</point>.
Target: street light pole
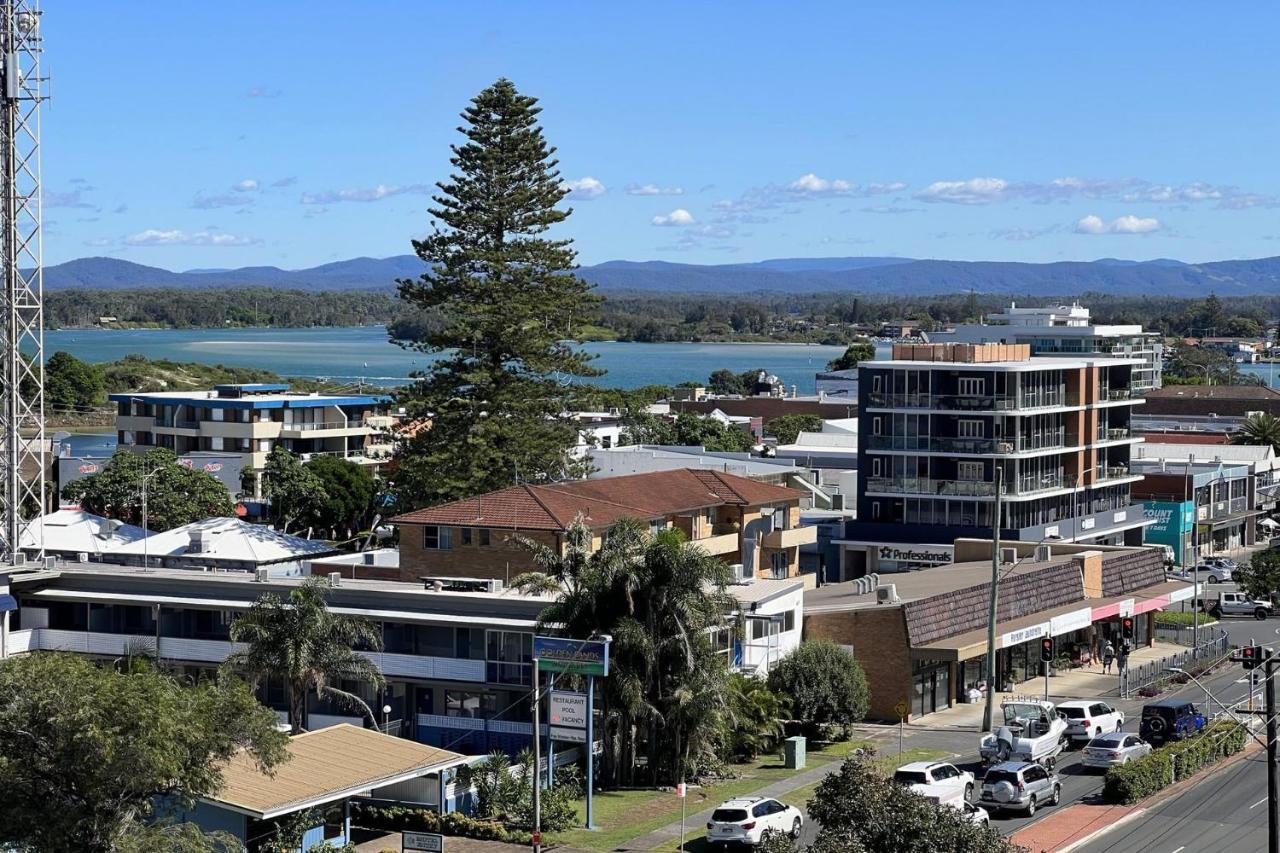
<point>992,604</point>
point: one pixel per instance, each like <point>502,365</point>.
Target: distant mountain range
<point>871,275</point>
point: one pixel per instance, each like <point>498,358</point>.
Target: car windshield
<point>1106,742</point>
<point>729,815</point>
<point>1073,713</point>
<point>995,777</point>
<point>910,777</point>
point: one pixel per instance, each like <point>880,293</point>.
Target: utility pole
<point>537,760</point>
<point>992,603</point>
<point>1273,784</point>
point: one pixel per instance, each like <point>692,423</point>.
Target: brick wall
<point>881,647</point>
<point>503,558</point>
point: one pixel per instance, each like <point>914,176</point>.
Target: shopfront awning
<point>1054,622</point>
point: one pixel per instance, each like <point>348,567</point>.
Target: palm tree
<point>307,647</point>
<point>1260,428</point>
<point>755,715</point>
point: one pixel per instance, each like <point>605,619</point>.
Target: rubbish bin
<point>793,753</point>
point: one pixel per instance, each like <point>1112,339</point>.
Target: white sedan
<point>745,820</point>
<point>937,780</point>
<point>1086,719</point>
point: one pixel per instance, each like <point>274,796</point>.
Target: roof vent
<point>195,542</point>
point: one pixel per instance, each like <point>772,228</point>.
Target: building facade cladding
<point>1224,502</point>
<point>937,421</point>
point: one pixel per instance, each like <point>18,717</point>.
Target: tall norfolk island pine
<point>508,301</point>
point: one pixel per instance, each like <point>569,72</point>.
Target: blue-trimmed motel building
<point>252,419</point>
<point>936,422</point>
<point>457,660</point>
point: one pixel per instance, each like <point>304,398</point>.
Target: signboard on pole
<point>431,842</point>
<point>581,657</point>
<point>568,709</point>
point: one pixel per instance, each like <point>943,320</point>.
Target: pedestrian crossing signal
<point>1046,650</point>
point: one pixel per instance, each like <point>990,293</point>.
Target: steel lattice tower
<point>22,377</point>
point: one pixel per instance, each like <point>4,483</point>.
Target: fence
<point>1213,647</point>
<point>1185,635</point>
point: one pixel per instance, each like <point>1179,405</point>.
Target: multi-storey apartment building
<point>942,426</point>
<point>1066,330</point>
<point>1200,508</point>
<point>744,521</point>
<point>253,419</point>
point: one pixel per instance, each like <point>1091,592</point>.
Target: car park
<point>1089,718</point>
<point>1169,720</point>
<point>1020,786</point>
<point>1113,749</point>
<point>746,821</point>
<point>938,780</point>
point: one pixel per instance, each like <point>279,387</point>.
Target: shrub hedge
<point>1176,619</point>
<point>401,818</point>
<point>1173,762</point>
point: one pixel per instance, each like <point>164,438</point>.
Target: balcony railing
<point>946,444</point>
<point>965,488</point>
<point>1119,394</point>
<point>967,402</point>
<point>321,425</point>
<point>1111,472</point>
<point>1113,434</point>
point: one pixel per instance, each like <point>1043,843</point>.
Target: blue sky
<point>229,134</point>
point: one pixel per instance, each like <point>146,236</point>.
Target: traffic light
<point>1126,627</point>
<point>1046,650</point>
<point>1248,656</point>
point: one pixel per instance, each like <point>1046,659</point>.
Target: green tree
<point>87,752</point>
<point>1262,428</point>
<point>787,428</point>
<point>308,648</point>
<point>725,383</point>
<point>660,598</point>
<point>824,685</point>
<point>859,809</point>
<point>688,430</point>
<point>755,716</point>
<point>296,491</point>
<point>508,302</point>
<point>348,491</point>
<point>176,494</point>
<point>1260,577</point>
<point>860,349</point>
<point>72,386</point>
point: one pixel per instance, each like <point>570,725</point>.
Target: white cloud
<point>248,185</point>
<point>811,183</point>
<point>677,217</point>
<point>177,237</point>
<point>585,188</point>
<point>1129,224</point>
<point>972,191</point>
<point>653,189</point>
<point>377,193</point>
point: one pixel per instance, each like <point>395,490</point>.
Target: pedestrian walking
<point>1108,655</point>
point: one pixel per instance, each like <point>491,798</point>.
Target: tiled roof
<point>601,502</point>
<point>1221,400</point>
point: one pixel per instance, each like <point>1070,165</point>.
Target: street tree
<point>176,494</point>
<point>787,428</point>
<point>348,491</point>
<point>308,648</point>
<point>296,492</point>
<point>860,349</point>
<point>508,303</point>
<point>89,754</point>
<point>1260,577</point>
<point>824,686</point>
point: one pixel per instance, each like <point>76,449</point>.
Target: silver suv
<point>1020,786</point>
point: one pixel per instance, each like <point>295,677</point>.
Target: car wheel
<point>968,792</point>
<point>795,828</point>
<point>1213,579</point>
<point>1031,805</point>
<point>1098,732</point>
<point>1259,614</point>
<point>1057,795</point>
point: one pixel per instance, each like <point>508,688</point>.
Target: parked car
<point>1212,572</point>
<point>1113,749</point>
<point>976,814</point>
<point>1235,604</point>
<point>1222,562</point>
<point>1020,786</point>
<point>745,820</point>
<point>937,780</point>
<point>1088,718</point>
<point>1169,719</point>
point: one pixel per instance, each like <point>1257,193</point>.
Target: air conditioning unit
<point>1008,556</point>
<point>335,578</point>
<point>1005,447</point>
<point>82,557</point>
<point>261,575</point>
<point>19,558</point>
<point>1043,553</point>
<point>50,562</point>
<point>887,594</point>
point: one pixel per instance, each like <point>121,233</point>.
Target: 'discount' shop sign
<point>583,657</point>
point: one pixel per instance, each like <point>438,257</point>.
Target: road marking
<point>1258,803</point>
<point>1180,849</point>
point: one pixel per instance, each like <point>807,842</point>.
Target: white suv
<point>1089,718</point>
<point>745,820</point>
<point>937,780</point>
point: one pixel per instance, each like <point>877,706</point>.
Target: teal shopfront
<point>1173,524</point>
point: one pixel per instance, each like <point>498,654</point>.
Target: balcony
<point>966,402</point>
<point>965,488</point>
<point>1111,472</point>
<point>984,446</point>
<point>791,538</point>
<point>295,430</point>
<point>724,543</point>
<point>1119,394</point>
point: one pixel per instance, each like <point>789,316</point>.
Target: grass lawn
<point>624,815</point>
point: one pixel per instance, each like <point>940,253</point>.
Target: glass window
<point>789,620</point>
<point>484,536</point>
<point>466,536</point>
<point>437,538</point>
<point>458,703</point>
